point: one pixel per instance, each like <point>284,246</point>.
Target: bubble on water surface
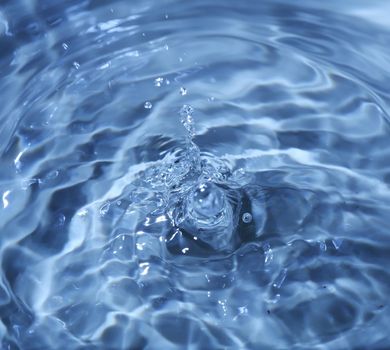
<point>247,218</point>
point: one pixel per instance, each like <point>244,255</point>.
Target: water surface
<point>194,175</point>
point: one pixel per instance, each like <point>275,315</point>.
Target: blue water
<point>194,174</point>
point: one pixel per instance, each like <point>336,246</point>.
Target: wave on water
<point>204,175</point>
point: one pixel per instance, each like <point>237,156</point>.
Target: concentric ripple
<point>194,174</point>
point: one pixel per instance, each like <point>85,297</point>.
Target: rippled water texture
<point>194,174</point>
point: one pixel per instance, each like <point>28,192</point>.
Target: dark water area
<point>194,174</point>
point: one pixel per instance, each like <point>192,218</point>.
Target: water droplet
<point>166,47</point>
<point>183,91</point>
<point>180,59</point>
<point>158,81</point>
<point>166,16</point>
<point>76,65</point>
<point>65,46</point>
<point>247,218</point>
<point>148,105</point>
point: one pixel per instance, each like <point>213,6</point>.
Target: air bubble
<point>246,218</point>
<point>148,105</point>
<point>183,91</point>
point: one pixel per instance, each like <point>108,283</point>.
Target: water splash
<point>206,202</point>
<point>186,113</point>
<point>202,196</point>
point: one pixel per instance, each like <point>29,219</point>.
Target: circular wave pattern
<point>125,227</point>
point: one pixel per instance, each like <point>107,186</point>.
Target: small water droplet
<point>180,59</point>
<point>65,46</point>
<point>166,47</point>
<point>247,218</point>
<point>183,91</point>
<point>166,16</point>
<point>158,81</point>
<point>76,65</point>
<point>148,105</point>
